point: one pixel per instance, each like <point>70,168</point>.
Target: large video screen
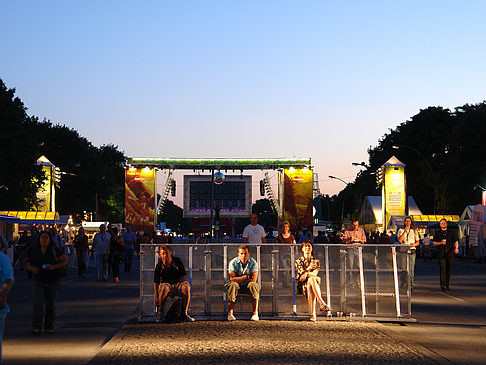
<point>232,197</point>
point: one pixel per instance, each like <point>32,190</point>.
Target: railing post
<point>225,275</point>
<point>275,282</point>
<point>342,278</point>
<point>292,264</point>
<point>395,280</point>
<point>377,283</point>
<point>207,282</point>
<point>328,280</point>
<point>409,288</point>
<point>361,280</point>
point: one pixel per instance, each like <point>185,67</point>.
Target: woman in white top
<point>409,235</point>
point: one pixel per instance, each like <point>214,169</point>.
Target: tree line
<point>441,148</point>
<point>89,171</point>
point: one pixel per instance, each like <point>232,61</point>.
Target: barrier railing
<point>361,281</point>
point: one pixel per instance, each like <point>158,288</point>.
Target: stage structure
<point>223,192</point>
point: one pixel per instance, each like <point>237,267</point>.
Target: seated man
<point>243,274</point>
<point>170,277</point>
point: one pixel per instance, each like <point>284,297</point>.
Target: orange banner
<point>298,198</point>
<point>140,198</point>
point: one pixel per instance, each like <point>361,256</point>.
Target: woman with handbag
<point>116,253</point>
<point>48,264</point>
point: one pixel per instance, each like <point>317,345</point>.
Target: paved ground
<point>264,342</point>
<point>88,314</point>
<point>451,328</point>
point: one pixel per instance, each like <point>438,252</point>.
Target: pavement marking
<point>453,297</point>
<point>447,295</point>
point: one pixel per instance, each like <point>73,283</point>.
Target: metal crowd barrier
<point>368,281</point>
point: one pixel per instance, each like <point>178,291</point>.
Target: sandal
<point>313,318</point>
<point>325,308</point>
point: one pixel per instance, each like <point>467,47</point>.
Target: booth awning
<point>24,217</point>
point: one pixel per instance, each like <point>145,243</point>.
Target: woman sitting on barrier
<point>307,268</point>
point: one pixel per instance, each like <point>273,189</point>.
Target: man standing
<point>254,233</point>
<point>355,236</point>
<point>448,244</point>
<point>130,239</point>
<point>243,274</point>
<point>101,247</point>
<point>170,279</point>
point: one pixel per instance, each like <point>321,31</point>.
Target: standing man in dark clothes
<point>170,278</point>
<point>447,244</point>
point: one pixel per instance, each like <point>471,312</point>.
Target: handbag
<point>61,272</point>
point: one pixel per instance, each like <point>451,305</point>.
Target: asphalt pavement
<point>97,325</point>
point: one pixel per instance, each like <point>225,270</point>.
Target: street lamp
<point>398,146</point>
<point>337,178</point>
<point>360,164</point>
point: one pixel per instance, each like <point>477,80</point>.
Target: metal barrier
<point>360,281</point>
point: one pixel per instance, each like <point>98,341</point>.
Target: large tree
<point>90,173</point>
<point>441,148</point>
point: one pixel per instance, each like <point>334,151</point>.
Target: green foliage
<point>89,171</point>
<point>450,143</point>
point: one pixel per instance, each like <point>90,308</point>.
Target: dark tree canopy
<point>89,171</point>
<point>450,143</point>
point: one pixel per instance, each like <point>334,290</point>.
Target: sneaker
<point>188,318</point>
<point>254,317</point>
<point>231,317</point>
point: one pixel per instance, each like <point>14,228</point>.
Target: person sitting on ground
<point>243,274</point>
<point>307,267</point>
<point>170,278</point>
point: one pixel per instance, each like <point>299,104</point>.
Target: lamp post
<point>338,178</point>
<point>398,146</point>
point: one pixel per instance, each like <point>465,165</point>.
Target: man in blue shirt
<point>243,274</point>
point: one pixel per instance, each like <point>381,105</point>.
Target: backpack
<point>172,309</point>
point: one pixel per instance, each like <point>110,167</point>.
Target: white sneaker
<point>254,317</point>
<point>231,317</point>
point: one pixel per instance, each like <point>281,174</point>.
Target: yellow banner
<point>395,194</point>
<point>140,198</point>
<point>298,198</point>
<point>44,192</point>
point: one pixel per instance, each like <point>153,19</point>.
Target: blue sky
<point>319,79</point>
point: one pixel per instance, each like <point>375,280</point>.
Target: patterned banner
<point>298,198</point>
<point>140,198</point>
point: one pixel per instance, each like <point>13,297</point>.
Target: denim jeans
<point>44,301</point>
<point>102,266</point>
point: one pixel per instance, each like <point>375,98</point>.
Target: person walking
<point>101,250</point>
<point>130,239</point>
<point>447,244</point>
<point>409,235</point>
<point>44,262</point>
<point>116,253</point>
<point>81,246</point>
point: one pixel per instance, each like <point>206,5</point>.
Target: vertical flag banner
<point>298,198</point>
<point>140,198</point>
<point>394,190</point>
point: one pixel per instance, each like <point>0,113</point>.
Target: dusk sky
<point>319,79</point>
